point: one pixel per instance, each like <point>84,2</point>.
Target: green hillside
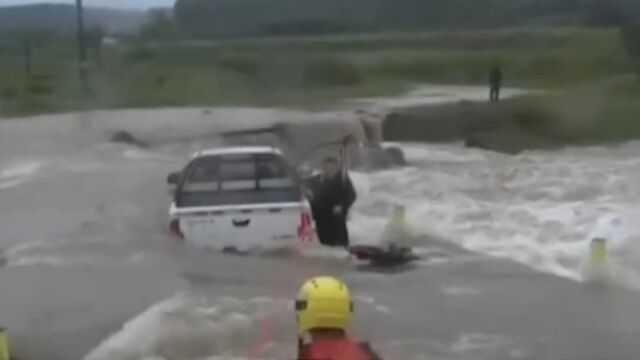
<point>62,17</point>
<point>206,18</point>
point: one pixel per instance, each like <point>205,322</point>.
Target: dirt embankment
<point>302,141</point>
<point>511,126</point>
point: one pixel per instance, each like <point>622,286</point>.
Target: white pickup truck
<point>239,198</point>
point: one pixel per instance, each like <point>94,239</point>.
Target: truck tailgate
<point>241,227</point>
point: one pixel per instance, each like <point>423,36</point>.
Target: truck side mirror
<point>173,178</point>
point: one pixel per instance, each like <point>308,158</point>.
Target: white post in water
<point>396,230</point>
<point>400,217</point>
<point>598,260</point>
<point>4,345</point>
<point>599,253</point>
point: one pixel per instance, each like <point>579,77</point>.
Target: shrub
<point>245,65</point>
<point>9,94</point>
<point>332,73</point>
<point>140,54</point>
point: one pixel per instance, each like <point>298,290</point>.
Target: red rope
<point>266,324</point>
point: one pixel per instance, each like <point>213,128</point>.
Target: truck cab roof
<point>236,150</point>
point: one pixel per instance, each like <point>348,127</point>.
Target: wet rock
<point>284,134</point>
<point>278,135</point>
<point>369,131</point>
<point>474,142</point>
<point>373,158</point>
<point>440,123</point>
<point>396,155</point>
<point>508,127</point>
<point>309,143</point>
<point>125,137</point>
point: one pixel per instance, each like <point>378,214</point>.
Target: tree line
<point>233,18</point>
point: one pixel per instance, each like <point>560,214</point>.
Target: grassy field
<point>589,95</point>
<point>303,71</point>
<point>599,112</point>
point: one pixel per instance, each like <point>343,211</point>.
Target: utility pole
<point>27,56</point>
<point>83,66</point>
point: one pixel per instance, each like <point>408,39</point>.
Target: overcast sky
<point>127,4</point>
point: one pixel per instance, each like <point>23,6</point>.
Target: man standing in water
<point>495,82</point>
<point>332,195</point>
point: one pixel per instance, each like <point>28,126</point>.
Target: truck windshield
<point>237,180</point>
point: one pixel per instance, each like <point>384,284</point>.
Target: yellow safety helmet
<point>323,303</point>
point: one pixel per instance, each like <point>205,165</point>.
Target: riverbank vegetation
<point>585,90</point>
<point>299,71</point>
<point>600,112</point>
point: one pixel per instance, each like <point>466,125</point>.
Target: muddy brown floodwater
<point>91,272</point>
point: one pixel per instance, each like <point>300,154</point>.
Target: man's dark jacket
<point>327,194</point>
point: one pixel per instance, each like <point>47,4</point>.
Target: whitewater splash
<point>187,327</point>
<point>539,208</point>
<point>17,172</point>
<point>190,327</point>
<point>528,208</point>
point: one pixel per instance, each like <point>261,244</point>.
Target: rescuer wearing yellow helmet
<point>323,313</point>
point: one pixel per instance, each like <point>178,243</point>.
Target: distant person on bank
<point>495,83</point>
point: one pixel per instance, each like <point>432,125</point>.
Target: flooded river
<point>91,272</point>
